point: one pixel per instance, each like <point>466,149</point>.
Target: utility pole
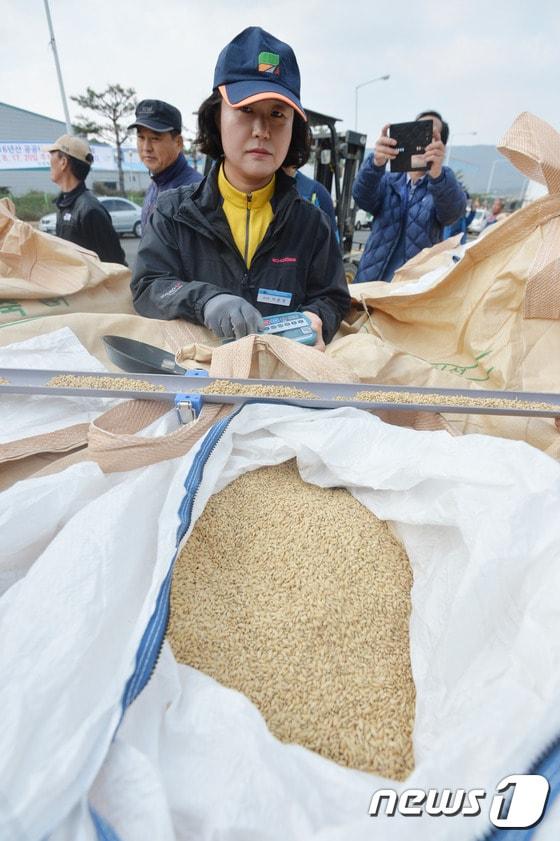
<point>58,70</point>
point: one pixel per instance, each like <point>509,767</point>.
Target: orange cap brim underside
<point>259,97</point>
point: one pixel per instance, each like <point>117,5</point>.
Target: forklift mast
<point>337,157</point>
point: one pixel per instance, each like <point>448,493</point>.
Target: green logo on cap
<point>269,63</point>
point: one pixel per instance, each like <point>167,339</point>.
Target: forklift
<point>337,157</point>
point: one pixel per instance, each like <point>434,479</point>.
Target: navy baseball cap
<point>157,115</point>
<point>256,66</point>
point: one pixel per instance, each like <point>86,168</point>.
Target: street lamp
<point>491,176</point>
<point>363,84</point>
<point>450,143</point>
<point>523,190</point>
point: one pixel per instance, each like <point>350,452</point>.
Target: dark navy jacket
<point>313,191</point>
<point>187,256</point>
<point>419,215</point>
<point>81,218</point>
<point>179,174</point>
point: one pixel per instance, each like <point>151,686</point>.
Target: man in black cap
<point>160,148</point>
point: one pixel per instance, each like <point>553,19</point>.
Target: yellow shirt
<point>248,214</point>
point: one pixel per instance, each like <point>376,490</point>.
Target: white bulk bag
<point>190,759</point>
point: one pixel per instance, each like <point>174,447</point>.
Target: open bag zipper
<point>547,764</point>
<point>153,637</point>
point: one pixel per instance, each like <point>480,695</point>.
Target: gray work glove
<point>229,317</point>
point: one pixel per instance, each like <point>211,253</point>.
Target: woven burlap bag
<point>43,275</point>
<point>490,321</point>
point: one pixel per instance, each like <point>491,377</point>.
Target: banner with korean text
<point>32,156</point>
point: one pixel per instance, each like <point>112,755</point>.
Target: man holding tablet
<point>410,209</point>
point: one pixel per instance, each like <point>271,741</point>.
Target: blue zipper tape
<point>152,639</point>
<point>548,766</point>
<point>104,830</point>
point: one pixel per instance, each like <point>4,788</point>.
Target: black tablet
<point>412,139</point>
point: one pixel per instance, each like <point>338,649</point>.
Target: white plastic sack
<point>24,416</point>
<point>194,760</point>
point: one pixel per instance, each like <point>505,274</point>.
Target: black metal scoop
<point>139,357</point>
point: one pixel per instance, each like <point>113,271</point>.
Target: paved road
<point>360,239</point>
<point>130,247</point>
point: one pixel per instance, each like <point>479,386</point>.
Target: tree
<point>113,105</point>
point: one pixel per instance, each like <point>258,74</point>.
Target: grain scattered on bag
<point>299,597</point>
<point>460,400</point>
<point>102,383</point>
<point>257,390</point>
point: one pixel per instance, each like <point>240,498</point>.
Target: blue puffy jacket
<point>421,215</point>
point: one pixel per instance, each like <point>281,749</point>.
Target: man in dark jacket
<point>81,218</point>
<point>160,147</point>
<point>316,193</point>
<point>410,209</point>
<point>187,256</point>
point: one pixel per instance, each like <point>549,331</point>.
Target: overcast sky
<point>479,63</point>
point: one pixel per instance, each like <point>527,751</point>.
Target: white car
<point>479,222</point>
<point>363,219</point>
<point>126,216</point>
<point>47,223</point>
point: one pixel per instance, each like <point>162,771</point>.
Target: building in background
<point>24,166</point>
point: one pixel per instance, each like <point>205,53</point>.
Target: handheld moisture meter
<point>291,325</point>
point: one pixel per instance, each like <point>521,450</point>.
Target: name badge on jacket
<point>274,296</point>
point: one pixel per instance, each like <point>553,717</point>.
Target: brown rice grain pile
<point>299,597</point>
<point>105,383</point>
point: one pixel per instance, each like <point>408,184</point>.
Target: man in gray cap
<point>81,218</point>
<point>160,147</point>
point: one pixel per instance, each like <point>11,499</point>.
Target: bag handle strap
<point>115,446</point>
<point>251,356</point>
<point>58,441</point>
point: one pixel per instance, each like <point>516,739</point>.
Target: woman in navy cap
<point>242,244</point>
